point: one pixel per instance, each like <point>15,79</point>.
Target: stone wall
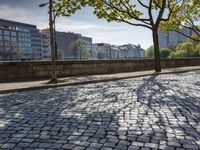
<point>42,69</point>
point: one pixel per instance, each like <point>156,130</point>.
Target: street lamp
<point>52,39</point>
<point>44,4</point>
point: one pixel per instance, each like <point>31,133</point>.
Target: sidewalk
<point>34,85</point>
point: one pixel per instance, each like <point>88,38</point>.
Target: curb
<point>91,81</point>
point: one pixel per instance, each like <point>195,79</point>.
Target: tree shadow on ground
<point>152,112</point>
<point>176,110</point>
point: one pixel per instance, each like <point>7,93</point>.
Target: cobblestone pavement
<point>155,112</point>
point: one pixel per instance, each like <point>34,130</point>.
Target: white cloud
<point>10,12</point>
<point>114,33</point>
<point>63,23</point>
<point>23,15</point>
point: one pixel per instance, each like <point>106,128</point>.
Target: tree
<point>149,52</point>
<point>148,14</point>
<point>80,51</point>
<point>197,50</point>
<point>85,53</point>
<point>172,55</point>
<point>165,52</point>
<point>178,47</point>
<point>179,54</point>
<point>56,9</point>
<point>186,49</point>
<point>60,54</point>
<point>187,17</point>
<point>67,7</point>
<point>194,42</point>
<point>197,47</point>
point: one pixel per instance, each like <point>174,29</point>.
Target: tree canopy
<point>138,13</point>
<point>186,49</point>
<point>67,7</point>
<point>142,13</point>
<point>164,52</point>
<point>149,52</point>
<point>187,17</point>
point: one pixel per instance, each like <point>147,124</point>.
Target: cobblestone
<point>154,112</point>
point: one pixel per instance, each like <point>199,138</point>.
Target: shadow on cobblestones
<point>156,112</point>
<point>177,109</point>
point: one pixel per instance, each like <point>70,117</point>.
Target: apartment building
<point>69,45</point>
<point>102,50</point>
<point>107,51</point>
<point>129,51</point>
<point>172,38</point>
<point>19,41</point>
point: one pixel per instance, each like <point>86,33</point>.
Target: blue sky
<point>84,22</point>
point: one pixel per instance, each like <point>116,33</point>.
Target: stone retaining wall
<point>42,69</point>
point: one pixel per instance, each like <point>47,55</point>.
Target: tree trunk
<point>156,50</point>
<point>53,63</point>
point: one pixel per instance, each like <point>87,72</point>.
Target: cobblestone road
<point>155,112</point>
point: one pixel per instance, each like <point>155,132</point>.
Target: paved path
<point>30,85</point>
<point>154,112</point>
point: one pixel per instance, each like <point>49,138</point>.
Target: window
<point>7,43</point>
<point>13,38</point>
<point>7,48</point>
<point>7,38</point>
<point>19,28</point>
<point>19,34</point>
<point>6,32</point>
<point>25,30</point>
<point>13,33</point>
<point>14,49</point>
<point>14,44</point>
<point>12,27</point>
<point>1,45</point>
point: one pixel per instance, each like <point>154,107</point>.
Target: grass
<point>59,81</point>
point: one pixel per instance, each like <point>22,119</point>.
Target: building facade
<point>107,51</point>
<point>19,41</point>
<point>129,51</point>
<point>172,38</point>
<point>69,45</point>
<point>102,50</point>
<point>46,48</point>
<point>36,44</point>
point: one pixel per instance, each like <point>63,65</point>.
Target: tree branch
<point>190,37</point>
<point>142,4</point>
<point>159,18</point>
<point>194,29</point>
<point>171,9</point>
<point>130,23</point>
<point>127,12</point>
<point>150,13</point>
<point>157,4</point>
<point>131,15</point>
